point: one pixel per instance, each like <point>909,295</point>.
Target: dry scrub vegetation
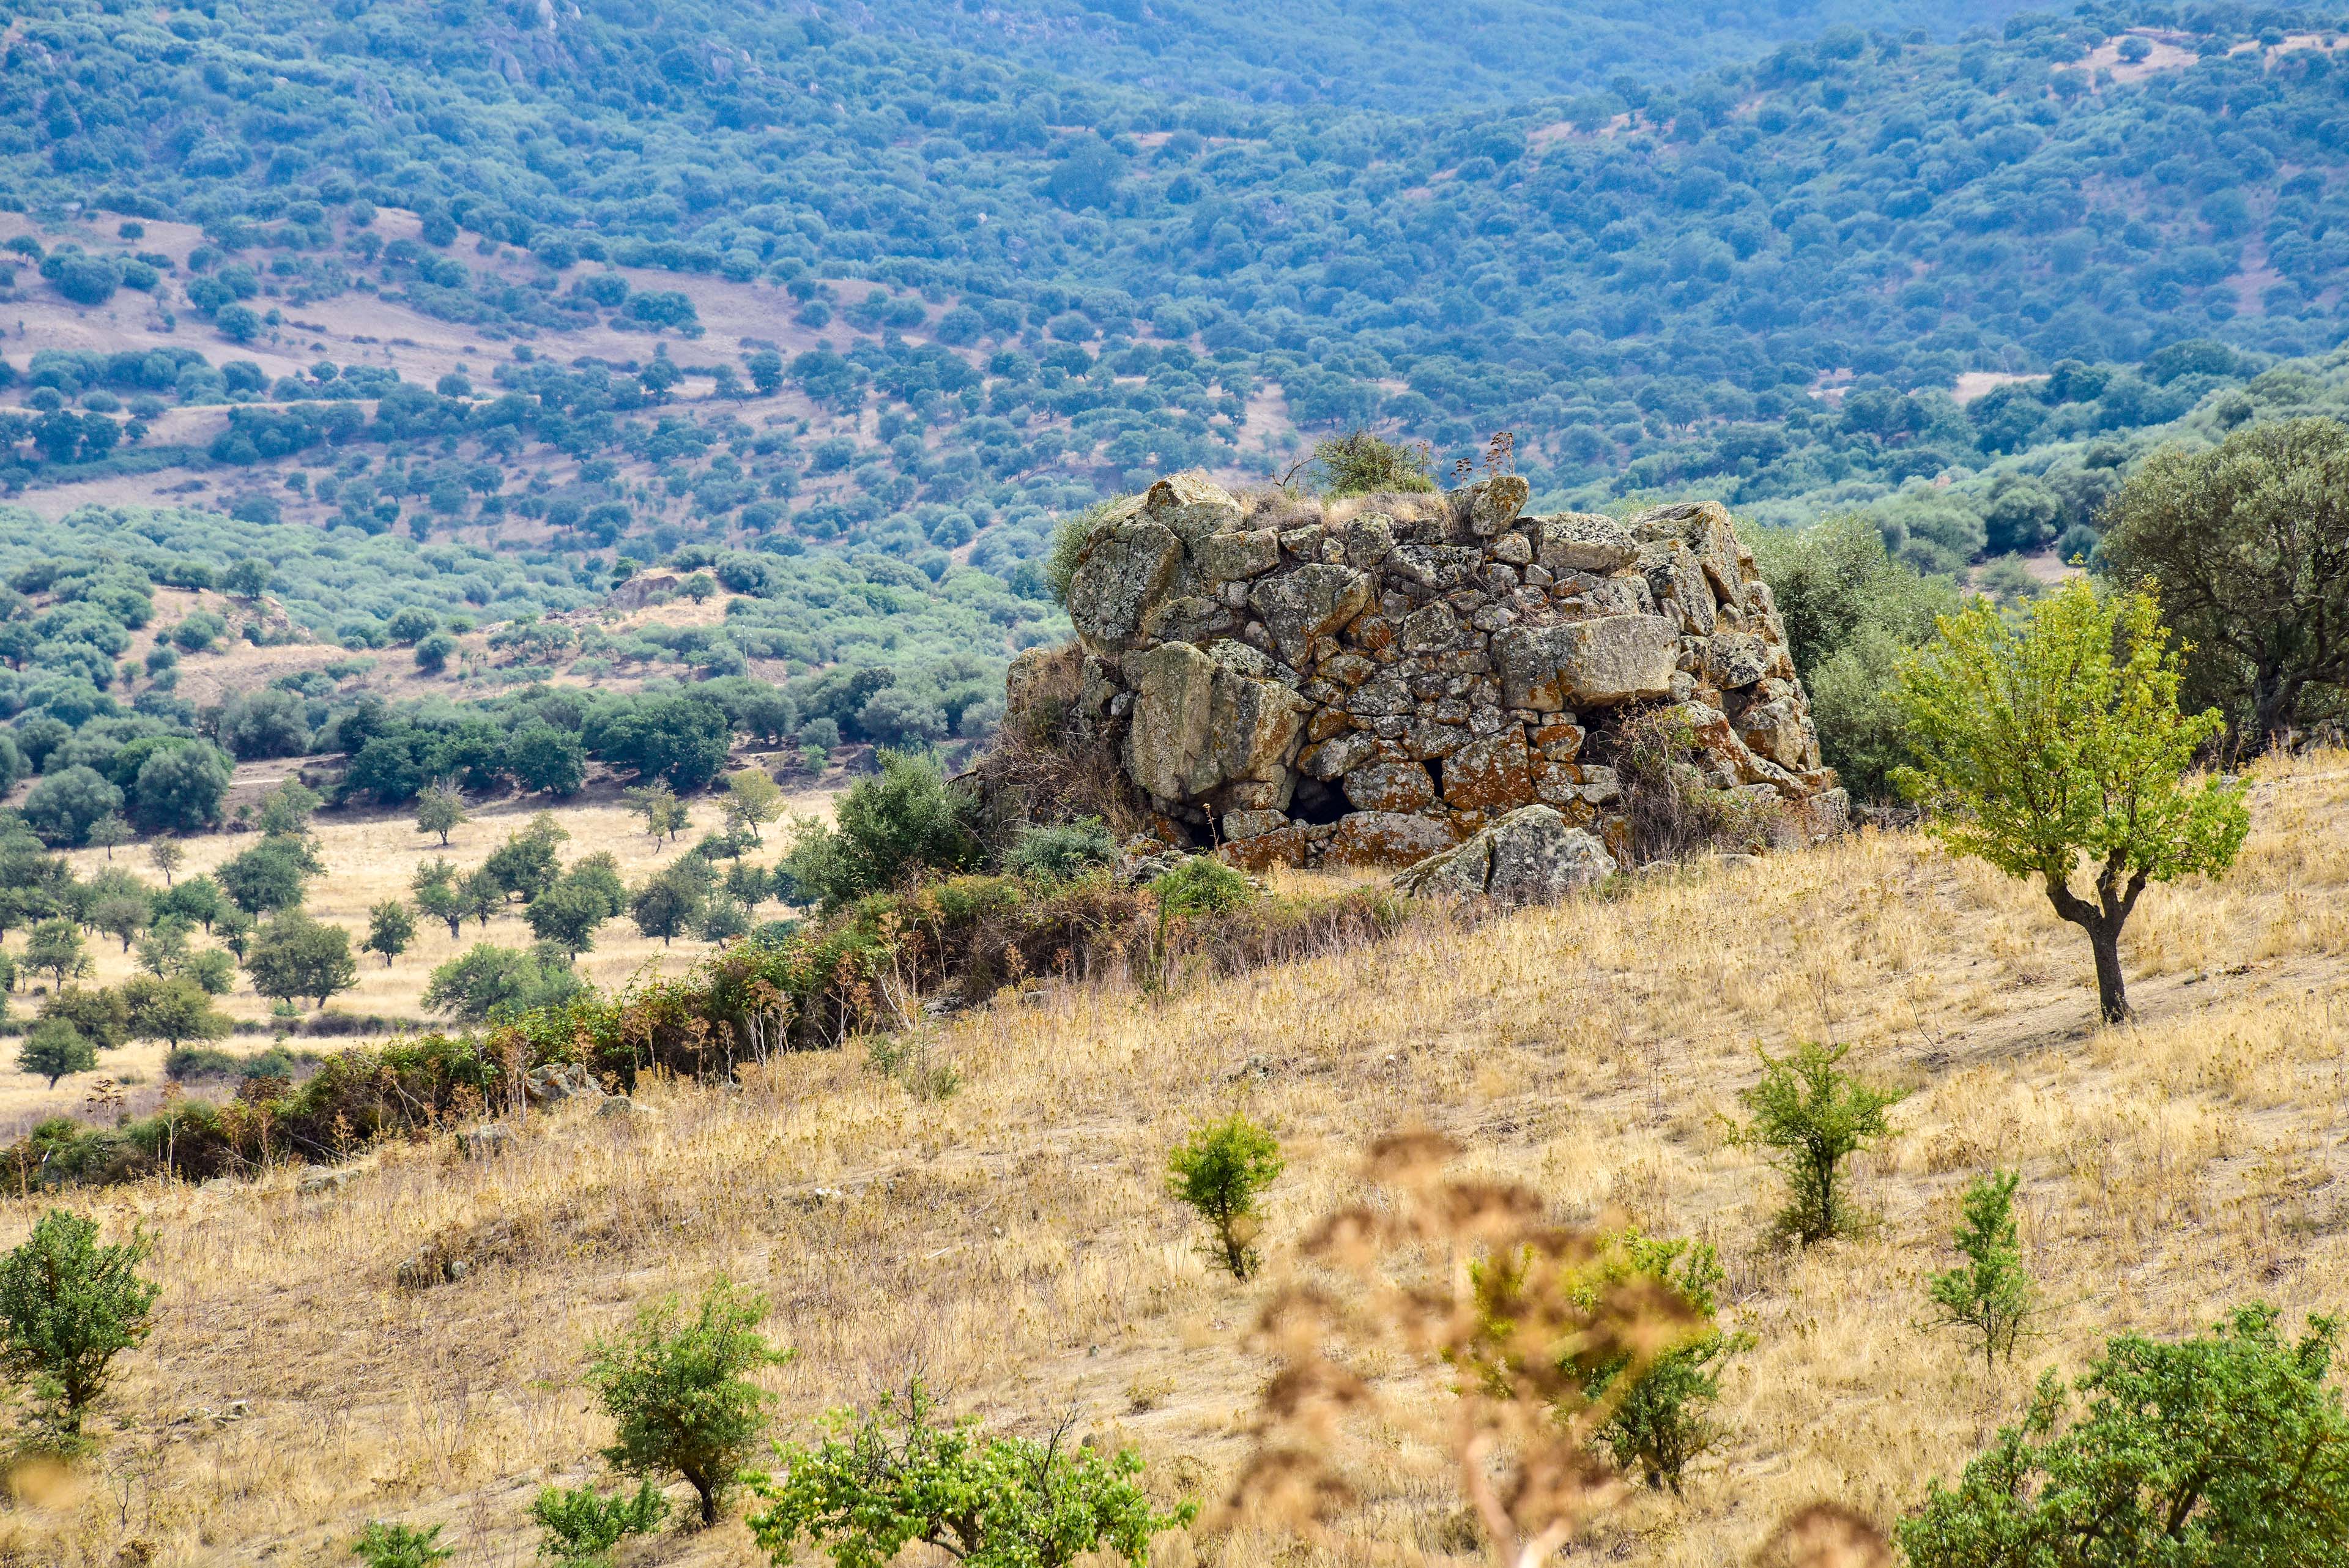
<point>372,857</point>
<point>1014,1242</point>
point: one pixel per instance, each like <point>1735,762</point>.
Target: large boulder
<point>1532,856</point>
<point>1586,663</point>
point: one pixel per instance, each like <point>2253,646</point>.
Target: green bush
<point>1220,1172</point>
<point>1058,853</point>
<point>1069,538</point>
<point>1362,463</point>
<point>582,1525</point>
<point>1991,1295</point>
<point>678,1394</point>
<point>1202,885</point>
<point>2223,1449</point>
<point>1808,1118</point>
<point>909,819</point>
<point>1663,1423</point>
<point>68,1308</point>
<point>384,1544</point>
<point>1852,614</point>
<point>892,1478</point>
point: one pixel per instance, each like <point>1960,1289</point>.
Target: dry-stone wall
<point>1378,681</point>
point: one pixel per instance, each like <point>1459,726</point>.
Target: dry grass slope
<point>1015,1241</point>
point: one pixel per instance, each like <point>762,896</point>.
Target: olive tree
<point>2061,746</point>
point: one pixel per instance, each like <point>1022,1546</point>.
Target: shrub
<point>1069,538</point>
<point>433,651</point>
<point>388,1545</point>
<point>1809,1117</point>
<point>1663,1423</point>
<point>68,1308</point>
<point>908,819</point>
<point>55,1049</point>
<point>1362,463</point>
<point>1673,809</point>
<point>2222,1450</point>
<point>1991,1295</point>
<point>1221,1172</point>
<point>893,1477</point>
<point>1201,886</point>
<point>678,1395</point>
<point>582,1525</point>
<point>1058,853</point>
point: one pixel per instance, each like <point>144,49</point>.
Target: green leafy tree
<point>547,759</point>
<point>664,813</point>
<point>98,1012</point>
<point>525,866</point>
<point>387,1544</point>
<point>441,810</point>
<point>166,856</point>
<point>295,956</point>
<point>64,806</point>
<point>122,917</point>
<point>488,981</point>
<point>178,789</point>
<point>2247,547</point>
<point>1221,1172</point>
<point>433,653</point>
<point>1809,1117</point>
<point>581,1526</point>
<point>894,1477</point>
<point>390,928</point>
<point>69,1306</point>
<point>53,948</point>
<point>753,800</point>
<point>1663,1422</point>
<point>2223,1449</point>
<point>886,828</point>
<point>665,905</point>
<point>174,1011</point>
<point>285,811</point>
<point>1991,1295</point>
<point>2062,745</point>
<point>679,1390</point>
<point>55,1049</point>
<point>269,877</point>
<point>568,915</point>
<point>108,833</point>
<point>483,895</point>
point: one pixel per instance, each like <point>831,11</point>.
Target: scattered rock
<point>1532,856</point>
<point>486,1141</point>
<point>553,1083</point>
<point>319,1178</point>
<point>622,1108</point>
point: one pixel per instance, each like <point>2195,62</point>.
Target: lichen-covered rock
<point>1532,856</point>
<point>1373,687</point>
<point>1588,663</point>
<point>1387,839</point>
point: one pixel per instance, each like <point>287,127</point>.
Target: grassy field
<point>1015,1244</point>
<point>370,857</point>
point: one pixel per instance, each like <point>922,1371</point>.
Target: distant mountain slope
<point>1771,281</point>
<point>1419,53</point>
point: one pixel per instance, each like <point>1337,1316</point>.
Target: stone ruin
<point>1378,681</point>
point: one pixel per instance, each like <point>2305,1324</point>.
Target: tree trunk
<point>2112,991</point>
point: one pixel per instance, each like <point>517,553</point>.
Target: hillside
<point>578,291</point>
<point>1013,1242</point>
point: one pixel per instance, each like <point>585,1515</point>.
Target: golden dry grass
<point>1015,1242</point>
<point>368,859</point>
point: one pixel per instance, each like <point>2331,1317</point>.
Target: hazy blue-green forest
<point>1958,267</point>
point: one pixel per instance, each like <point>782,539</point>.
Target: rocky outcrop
<point>1529,857</point>
<point>1379,680</point>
